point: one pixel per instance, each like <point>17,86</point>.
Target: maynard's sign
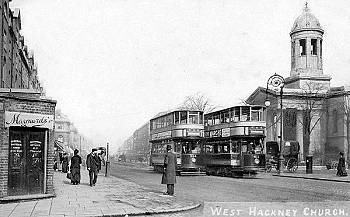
<point>28,120</point>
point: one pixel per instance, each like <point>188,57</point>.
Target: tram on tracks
<point>184,131</point>
<point>234,139</point>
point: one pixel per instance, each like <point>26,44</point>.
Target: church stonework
<point>314,113</point>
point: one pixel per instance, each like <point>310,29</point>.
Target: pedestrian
<point>65,163</point>
<point>341,171</point>
<point>93,164</point>
<point>75,162</point>
<point>169,173</point>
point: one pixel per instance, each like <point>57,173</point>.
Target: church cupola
<point>306,44</point>
<point>306,52</point>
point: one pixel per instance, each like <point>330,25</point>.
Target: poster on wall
<point>22,119</point>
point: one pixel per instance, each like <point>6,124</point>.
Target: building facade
<point>17,66</point>
<point>313,113</point>
<point>26,116</point>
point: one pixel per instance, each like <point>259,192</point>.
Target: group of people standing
<point>93,164</point>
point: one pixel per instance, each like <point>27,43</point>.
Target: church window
<point>321,47</point>
<point>302,43</point>
<point>314,46</point>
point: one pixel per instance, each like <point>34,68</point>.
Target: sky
<point>114,64</point>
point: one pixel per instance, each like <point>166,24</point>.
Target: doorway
<point>26,161</point>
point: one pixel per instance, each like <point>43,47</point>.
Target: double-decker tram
<point>234,139</point>
<point>184,131</point>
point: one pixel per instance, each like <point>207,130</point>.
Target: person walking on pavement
<point>341,171</point>
<point>65,163</point>
<point>75,162</point>
<point>93,164</point>
<point>169,174</point>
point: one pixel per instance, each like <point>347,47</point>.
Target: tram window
<point>225,149</point>
<point>219,149</point>
<point>200,117</point>
<point>244,148</point>
<point>235,147</point>
<point>216,119</point>
<point>245,114</point>
<point>169,120</point>
<point>255,114</point>
<point>195,149</point>
<point>225,117</point>
<point>177,118</point>
<point>209,120</point>
<point>209,149</point>
<point>193,118</point>
<point>183,117</point>
<point>236,114</point>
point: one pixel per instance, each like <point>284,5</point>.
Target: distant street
<point>264,188</point>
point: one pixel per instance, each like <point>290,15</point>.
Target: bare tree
<point>197,101</point>
<point>312,102</point>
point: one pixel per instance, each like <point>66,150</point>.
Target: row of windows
<point>251,146</point>
<point>180,117</point>
<point>235,114</point>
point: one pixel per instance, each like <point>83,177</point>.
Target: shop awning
<point>58,146</point>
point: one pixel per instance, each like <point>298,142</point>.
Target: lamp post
<point>277,82</point>
<point>107,162</point>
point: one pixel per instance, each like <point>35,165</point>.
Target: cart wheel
<point>268,168</point>
<point>292,165</point>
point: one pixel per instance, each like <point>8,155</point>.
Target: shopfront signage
<point>22,119</point>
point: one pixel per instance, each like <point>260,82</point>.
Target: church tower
<point>306,52</point>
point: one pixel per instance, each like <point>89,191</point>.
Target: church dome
<point>306,21</point>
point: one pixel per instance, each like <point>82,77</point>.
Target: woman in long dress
<point>75,168</point>
<point>341,170</point>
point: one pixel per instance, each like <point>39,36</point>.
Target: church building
<point>313,113</point>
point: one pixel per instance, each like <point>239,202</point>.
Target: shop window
<point>302,43</point>
<point>314,46</point>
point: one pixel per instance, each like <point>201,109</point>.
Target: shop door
<point>26,161</point>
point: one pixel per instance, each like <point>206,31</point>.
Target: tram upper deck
<point>177,124</point>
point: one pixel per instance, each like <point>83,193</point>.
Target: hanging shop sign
<point>22,119</point>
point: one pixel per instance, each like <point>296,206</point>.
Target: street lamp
<point>277,82</point>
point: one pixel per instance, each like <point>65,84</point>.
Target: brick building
<point>18,69</point>
<point>27,117</point>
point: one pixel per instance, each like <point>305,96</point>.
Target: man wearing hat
<point>169,174</point>
<point>93,164</point>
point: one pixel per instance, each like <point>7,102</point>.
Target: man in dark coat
<point>169,175</point>
<point>341,170</point>
<point>93,164</point>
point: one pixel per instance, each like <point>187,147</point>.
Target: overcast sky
<point>113,64</point>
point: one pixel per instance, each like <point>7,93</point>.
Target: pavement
<point>110,197</point>
<point>318,173</point>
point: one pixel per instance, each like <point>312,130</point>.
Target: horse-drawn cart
<point>290,153</point>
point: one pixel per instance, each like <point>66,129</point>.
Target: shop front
<point>27,135</point>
